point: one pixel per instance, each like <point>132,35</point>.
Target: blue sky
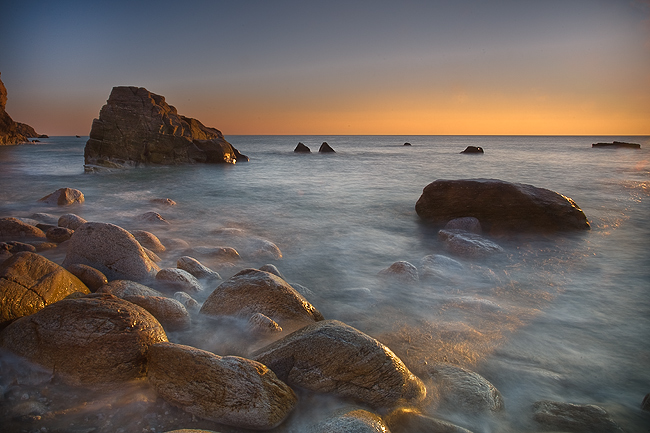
<point>337,67</point>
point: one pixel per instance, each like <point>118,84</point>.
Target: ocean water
<point>563,317</point>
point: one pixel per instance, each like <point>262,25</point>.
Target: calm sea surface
<point>564,318</point>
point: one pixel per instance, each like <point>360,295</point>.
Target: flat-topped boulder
<point>618,144</point>
<point>501,207</point>
<point>138,127</point>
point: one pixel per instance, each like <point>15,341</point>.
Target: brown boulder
<point>71,221</point>
<point>64,197</point>
<point>88,275</point>
<point>332,357</point>
<point>58,234</point>
<point>30,282</point>
<point>228,390</point>
<point>196,268</point>
<point>408,420</point>
<point>95,339</point>
<point>138,127</point>
<point>171,314</point>
<point>123,288</point>
<point>253,291</point>
<point>501,207</point>
<point>149,240</point>
<point>179,279</point>
<point>111,250</point>
<point>13,228</point>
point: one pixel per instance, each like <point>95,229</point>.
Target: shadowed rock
<point>332,357</point>
<point>473,149</point>
<point>501,207</point>
<point>138,127</point>
<point>228,390</point>
<point>30,282</point>
<point>95,339</point>
<point>325,148</point>
<point>617,144</point>
<point>301,148</point>
<point>408,420</point>
<point>11,132</point>
<point>585,418</point>
<point>466,244</point>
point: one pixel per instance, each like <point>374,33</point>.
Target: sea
<point>563,317</point>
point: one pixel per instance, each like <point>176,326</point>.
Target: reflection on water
<point>563,318</point>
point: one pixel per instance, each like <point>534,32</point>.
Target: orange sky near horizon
<point>345,68</point>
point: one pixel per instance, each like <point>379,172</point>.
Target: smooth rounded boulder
<point>229,390</point>
<point>351,421</point>
<point>111,250</point>
<point>171,314</point>
<point>71,221</point>
<point>122,288</point>
<point>88,340</point>
<point>88,275</point>
<point>179,280</point>
<point>253,291</point>
<point>332,357</point>
<point>466,244</point>
<point>574,417</point>
<point>501,207</point>
<point>196,268</point>
<point>13,229</point>
<point>149,240</point>
<point>30,282</point>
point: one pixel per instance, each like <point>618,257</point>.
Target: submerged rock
<point>229,390</point>
<point>586,418</point>
<point>469,224</point>
<point>332,357</point>
<point>179,280</point>
<point>196,268</point>
<point>501,207</point>
<point>466,244</point>
<point>253,291</point>
<point>112,250</point>
<point>138,127</point>
<point>401,271</point>
<point>408,420</point>
<point>64,197</point>
<point>30,282</point>
<point>618,144</point>
<point>95,339</point>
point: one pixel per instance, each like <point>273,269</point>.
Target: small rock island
<point>617,144</point>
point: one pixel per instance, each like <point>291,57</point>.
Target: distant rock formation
<point>501,207</point>
<point>138,127</point>
<point>325,148</point>
<point>473,149</point>
<point>617,144</point>
<point>301,148</point>
<point>12,132</point>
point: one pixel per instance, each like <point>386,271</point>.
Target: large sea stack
<point>138,127</point>
<point>12,132</point>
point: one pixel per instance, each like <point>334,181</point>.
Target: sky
<point>474,67</point>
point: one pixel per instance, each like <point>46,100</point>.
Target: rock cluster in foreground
<point>138,127</point>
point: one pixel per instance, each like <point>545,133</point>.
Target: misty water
<point>563,317</point>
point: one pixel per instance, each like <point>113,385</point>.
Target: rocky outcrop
<point>332,357</point>
<point>111,250</point>
<point>29,282</point>
<point>95,339</point>
<point>228,390</point>
<point>138,127</point>
<point>617,144</point>
<point>13,228</point>
<point>501,207</point>
<point>325,148</point>
<point>253,291</point>
<point>12,132</point>
<point>473,149</point>
<point>301,148</point>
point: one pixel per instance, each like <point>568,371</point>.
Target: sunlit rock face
<point>229,390</point>
<point>332,357</point>
<point>94,339</point>
<point>138,127</point>
<point>30,282</point>
<point>501,207</point>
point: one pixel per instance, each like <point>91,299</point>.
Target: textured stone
<point>148,240</point>
<point>13,229</point>
<point>111,250</point>
<point>196,268</point>
<point>469,224</point>
<point>501,207</point>
<point>586,418</point>
<point>228,390</point>
<point>352,421</point>
<point>123,288</point>
<point>88,275</point>
<point>58,234</point>
<point>332,357</point>
<point>71,221</point>
<point>253,291</point>
<point>401,271</point>
<point>64,197</point>
<point>139,127</point>
<point>30,282</point>
<point>179,280</point>
<point>171,314</point>
<point>94,339</point>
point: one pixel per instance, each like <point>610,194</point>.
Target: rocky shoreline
<point>108,340</point>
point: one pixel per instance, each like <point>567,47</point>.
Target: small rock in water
<point>645,404</point>
<point>325,148</point>
<point>71,221</point>
<point>189,302</point>
<point>196,268</point>
<point>149,240</point>
<point>164,201</point>
<point>402,271</point>
<point>152,217</point>
<point>16,247</point>
<point>574,417</point>
<point>179,279</point>
<point>301,148</point>
<point>351,421</point>
<point>473,149</point>
<point>64,197</point>
<point>408,420</point>
<point>469,224</point>
<point>468,244</point>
